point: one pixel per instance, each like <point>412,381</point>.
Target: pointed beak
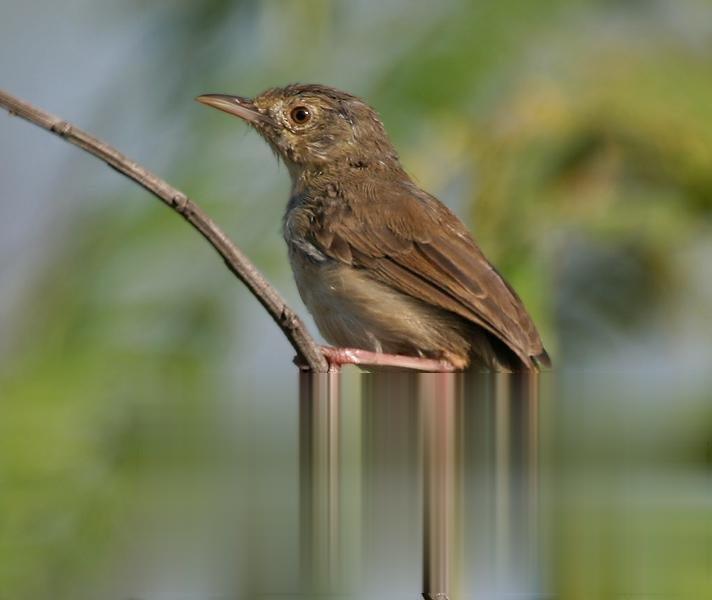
<point>235,105</point>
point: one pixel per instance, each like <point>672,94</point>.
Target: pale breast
<point>353,310</point>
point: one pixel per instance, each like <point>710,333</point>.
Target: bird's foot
<point>337,357</point>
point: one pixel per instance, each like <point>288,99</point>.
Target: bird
<point>382,265</point>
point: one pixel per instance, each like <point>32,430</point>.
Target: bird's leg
<point>365,358</point>
<point>337,357</point>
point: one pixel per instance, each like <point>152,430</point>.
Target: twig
<point>287,320</point>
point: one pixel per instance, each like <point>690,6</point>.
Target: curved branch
<point>287,320</point>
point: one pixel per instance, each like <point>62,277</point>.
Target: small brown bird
<point>381,264</point>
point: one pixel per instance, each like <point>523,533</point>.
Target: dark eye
<point>300,114</point>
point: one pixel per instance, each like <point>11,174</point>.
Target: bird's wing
<point>410,241</point>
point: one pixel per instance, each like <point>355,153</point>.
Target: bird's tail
<point>542,360</point>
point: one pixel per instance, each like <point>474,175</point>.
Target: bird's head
<point>312,126</point>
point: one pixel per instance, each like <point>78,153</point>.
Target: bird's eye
<point>300,115</point>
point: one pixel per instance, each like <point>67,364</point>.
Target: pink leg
<point>365,358</point>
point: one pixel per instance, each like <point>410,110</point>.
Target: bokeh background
<point>147,402</point>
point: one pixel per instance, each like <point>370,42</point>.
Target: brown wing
<point>410,241</point>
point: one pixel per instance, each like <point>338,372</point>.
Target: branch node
<point>180,201</point>
<point>61,128</point>
<point>288,319</point>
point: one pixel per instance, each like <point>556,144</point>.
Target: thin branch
<point>287,320</point>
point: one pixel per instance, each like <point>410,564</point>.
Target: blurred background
<point>147,403</point>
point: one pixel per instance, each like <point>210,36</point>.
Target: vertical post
<point>320,479</point>
<point>437,397</point>
<point>500,441</point>
<point>516,475</point>
<point>391,484</point>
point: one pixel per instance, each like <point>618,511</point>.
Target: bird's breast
<point>351,309</point>
<point>347,308</point>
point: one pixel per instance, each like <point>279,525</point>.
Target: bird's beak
<point>235,105</point>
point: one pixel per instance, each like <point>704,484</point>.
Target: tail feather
<point>542,360</point>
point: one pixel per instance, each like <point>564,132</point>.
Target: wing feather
<point>413,243</point>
